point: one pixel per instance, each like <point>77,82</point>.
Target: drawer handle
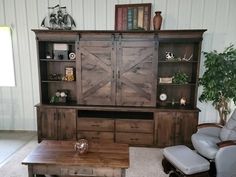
<point>134,139</point>
<point>95,125</point>
<point>134,126</point>
<point>94,137</point>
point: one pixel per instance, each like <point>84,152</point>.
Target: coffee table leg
<point>30,171</point>
<point>122,172</point>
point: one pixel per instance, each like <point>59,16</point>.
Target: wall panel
<point>17,104</point>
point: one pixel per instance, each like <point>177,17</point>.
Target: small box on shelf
<point>165,80</point>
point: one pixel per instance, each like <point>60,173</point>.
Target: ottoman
<point>182,161</point>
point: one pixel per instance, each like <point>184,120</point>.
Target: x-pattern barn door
<point>96,73</point>
<point>136,68</point>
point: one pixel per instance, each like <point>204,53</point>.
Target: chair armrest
<point>226,143</point>
<point>211,129</point>
<point>204,125</point>
<point>225,159</point>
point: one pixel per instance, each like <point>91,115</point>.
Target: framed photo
<point>132,17</point>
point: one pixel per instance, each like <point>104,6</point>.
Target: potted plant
<point>219,80</point>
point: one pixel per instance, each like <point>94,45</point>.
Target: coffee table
<point>59,158</point>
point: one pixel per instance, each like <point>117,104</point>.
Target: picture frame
<point>133,17</point>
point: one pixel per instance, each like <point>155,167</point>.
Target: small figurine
<point>169,56</point>
<point>183,101</point>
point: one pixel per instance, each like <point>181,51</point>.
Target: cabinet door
<point>136,72</point>
<point>165,128</point>
<point>47,123</point>
<point>188,126</point>
<point>66,124</point>
<point>96,75</point>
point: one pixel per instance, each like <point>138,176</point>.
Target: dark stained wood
<point>119,71</point>
<point>60,158</point>
<point>136,80</point>
<point>226,143</point>
<point>47,123</point>
<point>175,128</point>
<point>165,129</point>
<point>134,138</point>
<point>96,72</point>
<point>56,124</point>
<point>203,125</point>
<point>96,136</point>
<point>95,124</point>
<point>134,125</point>
<point>66,124</point>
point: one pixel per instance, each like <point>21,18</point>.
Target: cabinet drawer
<point>135,138</point>
<point>129,125</point>
<point>95,124</point>
<point>97,136</point>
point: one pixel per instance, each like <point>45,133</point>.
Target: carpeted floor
<point>11,141</point>
<point>144,162</point>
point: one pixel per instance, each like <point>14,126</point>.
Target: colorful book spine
<point>145,19</point>
<point>125,13</point>
<point>140,17</point>
<point>119,19</point>
<point>130,18</point>
<point>135,18</point>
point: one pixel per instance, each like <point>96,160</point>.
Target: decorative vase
<point>157,20</point>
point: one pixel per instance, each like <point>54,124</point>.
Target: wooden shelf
<point>175,61</point>
<point>172,84</point>
<point>54,60</point>
<point>49,81</point>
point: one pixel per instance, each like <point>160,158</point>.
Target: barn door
<point>136,83</point>
<point>96,63</point>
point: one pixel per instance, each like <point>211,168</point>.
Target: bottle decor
<point>157,20</point>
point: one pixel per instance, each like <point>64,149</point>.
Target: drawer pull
<point>134,126</point>
<point>95,125</point>
<point>134,139</point>
<point>94,137</point>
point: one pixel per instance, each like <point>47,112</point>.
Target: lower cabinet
<point>173,128</point>
<point>56,124</point>
<point>95,129</point>
<point>157,128</point>
<point>134,131</point>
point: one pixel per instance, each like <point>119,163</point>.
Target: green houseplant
<point>219,80</point>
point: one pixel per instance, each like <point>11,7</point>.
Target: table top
<point>51,152</point>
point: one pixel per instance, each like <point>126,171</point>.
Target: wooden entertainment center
<point>118,81</point>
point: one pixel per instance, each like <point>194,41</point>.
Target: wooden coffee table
<point>59,158</point>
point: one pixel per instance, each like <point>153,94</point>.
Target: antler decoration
<point>187,59</point>
<point>58,18</point>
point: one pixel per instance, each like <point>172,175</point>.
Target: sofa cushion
<point>206,145</point>
<point>228,132</point>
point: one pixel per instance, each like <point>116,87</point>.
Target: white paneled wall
<point>17,110</point>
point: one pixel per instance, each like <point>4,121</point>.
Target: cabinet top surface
<point>114,31</point>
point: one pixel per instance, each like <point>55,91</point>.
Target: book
<point>125,11</point>
<point>140,17</point>
<point>135,18</point>
<point>130,18</point>
<point>119,19</point>
<point>146,19</point>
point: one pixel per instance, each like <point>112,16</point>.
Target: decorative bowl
<point>81,146</point>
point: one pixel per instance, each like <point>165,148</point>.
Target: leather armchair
<point>218,144</point>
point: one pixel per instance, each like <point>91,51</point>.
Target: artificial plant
<point>219,80</point>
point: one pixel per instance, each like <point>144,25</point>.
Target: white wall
<point>17,110</point>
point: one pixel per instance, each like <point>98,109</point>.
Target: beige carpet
<point>144,162</point>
